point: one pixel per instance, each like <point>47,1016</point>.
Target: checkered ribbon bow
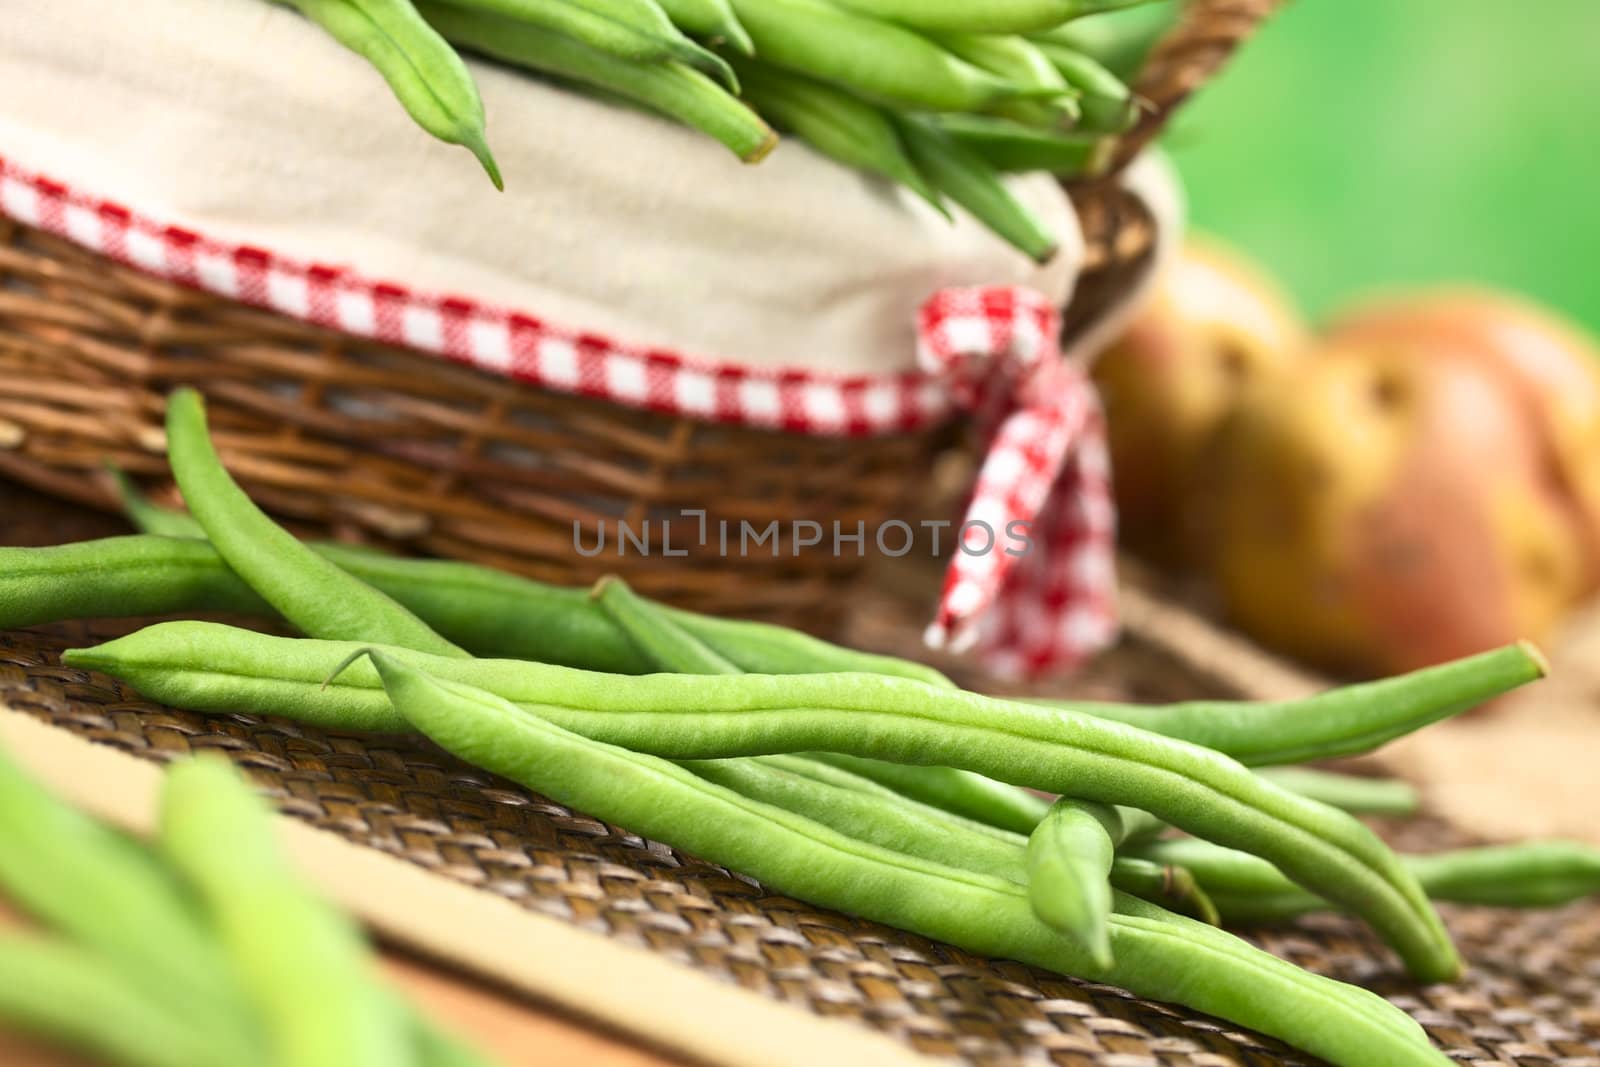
<point>1031,582</point>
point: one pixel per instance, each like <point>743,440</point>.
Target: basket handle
<point>1207,35</point>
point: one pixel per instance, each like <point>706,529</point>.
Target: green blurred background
<point>1359,143</point>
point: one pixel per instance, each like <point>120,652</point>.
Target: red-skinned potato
<point>1213,326</point>
<point>1374,511</point>
<point>1551,364</point>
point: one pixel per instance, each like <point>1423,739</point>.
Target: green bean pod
<point>68,994</point>
<point>1357,794</point>
<point>303,964</point>
<point>1013,147</point>
<point>487,611</point>
<point>669,647</point>
<point>862,809</point>
<point>637,31</point>
<point>713,20</point>
<point>875,59</point>
<point>672,89</point>
<point>1069,871</point>
<point>1019,61</point>
<point>427,77</point>
<point>990,16</point>
<point>1346,721</point>
<point>106,893</point>
<point>664,645</point>
<point>964,177</point>
<point>840,126</point>
<point>1108,106</point>
<point>865,811</point>
<point>1170,886</point>
<point>315,595</point>
<point>963,793</point>
<point>1118,41</point>
<point>213,668</point>
<point>1529,875</point>
<point>1158,955</point>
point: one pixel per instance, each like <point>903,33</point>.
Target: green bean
<point>877,60</point>
<point>1158,955</point>
<point>671,648</point>
<point>1119,40</point>
<point>1534,874</point>
<point>672,89</point>
<point>636,31</point>
<point>664,645</point>
<point>108,894</point>
<point>1357,794</point>
<point>1013,147</point>
<point>315,595</point>
<point>990,16</point>
<point>712,19</point>
<point>1530,875</point>
<point>864,811</point>
<point>964,177</point>
<point>1166,884</point>
<point>303,964</point>
<point>1017,60</point>
<point>1108,105</point>
<point>148,517</point>
<point>613,32</point>
<point>487,611</point>
<point>1069,871</point>
<point>840,126</point>
<point>427,77</point>
<point>69,994</point>
<point>1340,722</point>
<point>963,793</point>
<point>206,667</point>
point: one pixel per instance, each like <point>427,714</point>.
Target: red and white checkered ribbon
<point>1049,603</point>
<point>990,351</point>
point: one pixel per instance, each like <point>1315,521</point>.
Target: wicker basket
<point>382,444</point>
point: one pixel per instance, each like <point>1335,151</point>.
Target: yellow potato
<point>1213,328</point>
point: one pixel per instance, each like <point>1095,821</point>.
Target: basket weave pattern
<point>387,445</point>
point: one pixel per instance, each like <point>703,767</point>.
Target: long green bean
<point>876,59</point>
<point>1530,875</point>
<point>1357,794</point>
<point>1011,147</point>
<point>1346,721</point>
<point>107,894</point>
<point>315,595</point>
<point>1157,954</point>
<point>835,123</point>
<point>991,16</point>
<point>964,177</point>
<point>69,994</point>
<point>427,77</point>
<point>712,19</point>
<point>673,89</point>
<point>213,668</point>
<point>303,964</point>
<point>1069,869</point>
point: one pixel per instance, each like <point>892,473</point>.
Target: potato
<point>1551,364</point>
<point>1213,327</point>
<point>1381,507</point>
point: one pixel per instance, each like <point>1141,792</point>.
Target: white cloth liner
<point>243,121</point>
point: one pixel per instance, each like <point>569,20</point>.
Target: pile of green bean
<point>942,97</point>
<point>200,950</point>
<point>857,782</point>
